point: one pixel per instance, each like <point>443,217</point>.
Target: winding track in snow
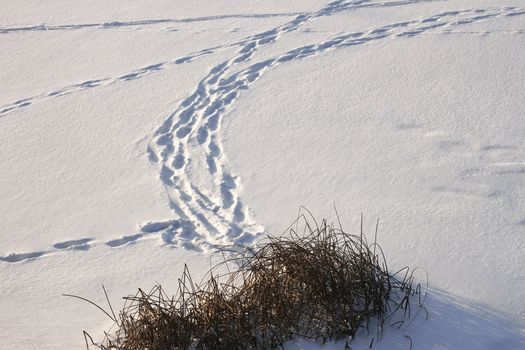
<point>336,6</point>
<point>188,143</point>
<point>137,23</point>
<point>190,134</point>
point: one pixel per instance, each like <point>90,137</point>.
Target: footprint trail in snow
<point>191,135</point>
<point>187,150</point>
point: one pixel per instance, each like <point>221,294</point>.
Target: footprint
<point>248,48</point>
<point>179,161</point>
<point>245,238</point>
<point>286,58</point>
<point>215,107</point>
<point>228,99</point>
<point>180,231</point>
<point>214,148</point>
<point>238,213</point>
<point>153,227</point>
<point>130,76</point>
<point>13,258</point>
<point>512,14</point>
<point>80,244</point>
<point>185,116</point>
<point>202,135</point>
<point>183,132</point>
<point>89,84</point>
<point>23,104</point>
<point>227,196</point>
<point>151,155</point>
<point>183,59</point>
<point>228,184</point>
<point>243,58</point>
<point>7,109</point>
<point>213,122</point>
<point>430,19</point>
<point>212,166</point>
<point>153,67</point>
<point>166,175</point>
<point>124,240</point>
<point>229,181</point>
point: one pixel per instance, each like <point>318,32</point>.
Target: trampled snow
<point>137,137</point>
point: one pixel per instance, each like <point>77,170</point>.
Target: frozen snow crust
<point>416,107</point>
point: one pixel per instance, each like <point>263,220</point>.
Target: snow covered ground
<point>134,137</point>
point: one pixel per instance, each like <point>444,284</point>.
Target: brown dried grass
<point>319,282</point>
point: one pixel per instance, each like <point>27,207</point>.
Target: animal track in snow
<point>94,83</point>
<point>170,232</point>
<point>14,258</point>
<point>136,24</point>
<point>81,244</point>
<point>216,214</point>
<point>220,216</point>
<point>124,240</point>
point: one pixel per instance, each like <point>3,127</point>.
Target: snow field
<point>410,111</point>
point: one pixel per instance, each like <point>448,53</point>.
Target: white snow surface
<point>135,137</point>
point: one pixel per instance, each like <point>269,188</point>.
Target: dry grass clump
<point>322,284</point>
